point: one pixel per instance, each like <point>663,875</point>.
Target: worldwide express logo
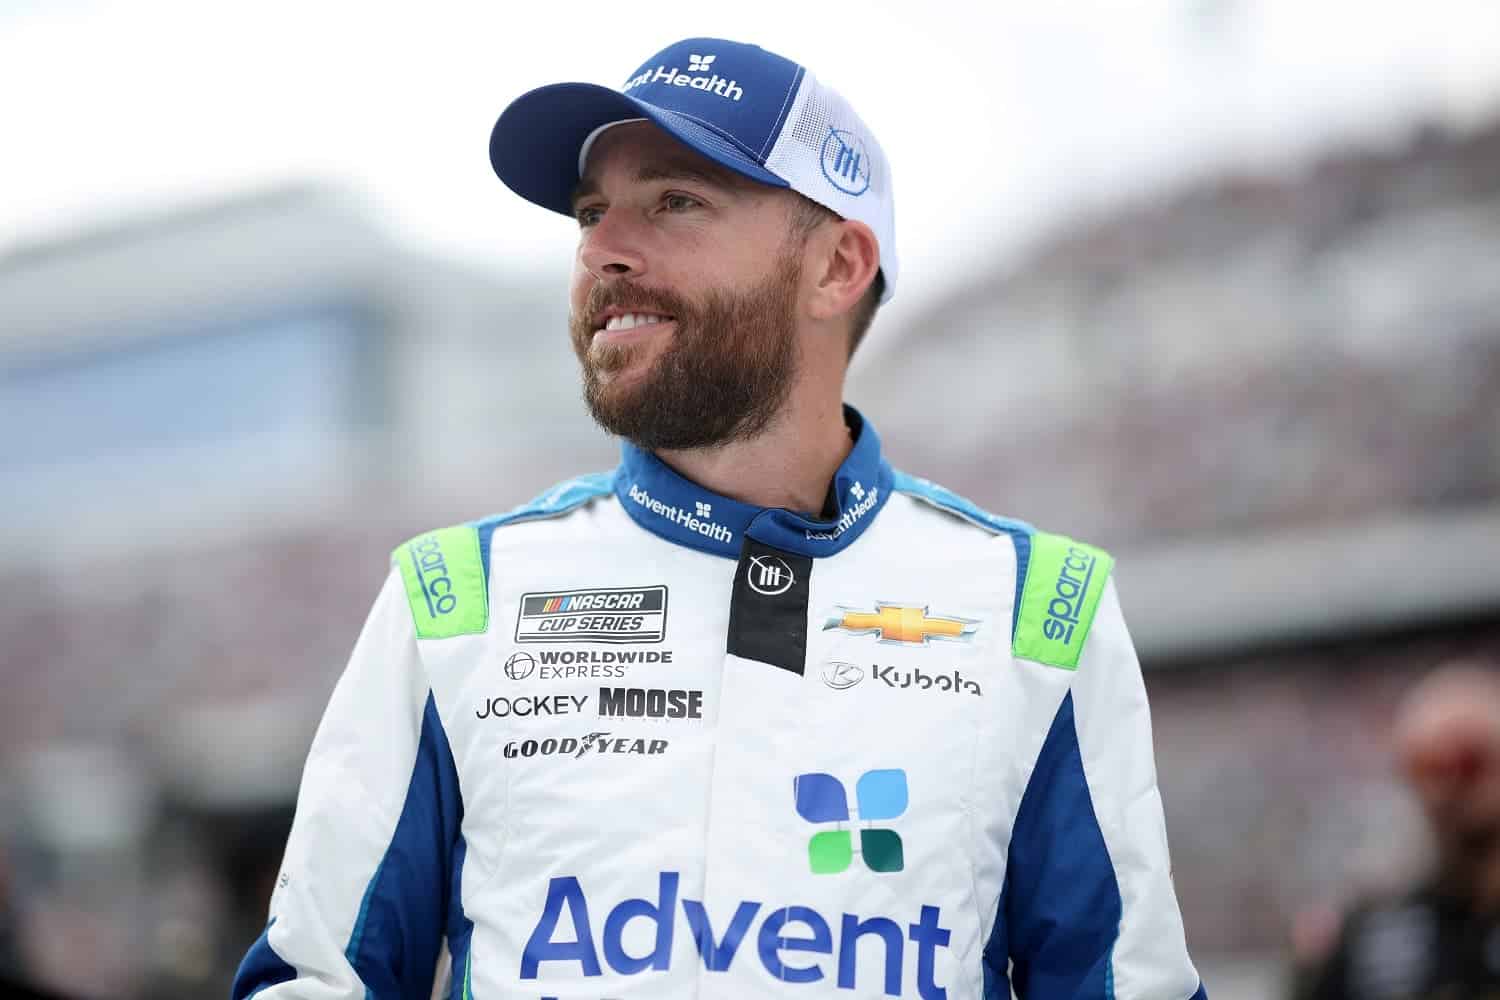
<point>880,795</point>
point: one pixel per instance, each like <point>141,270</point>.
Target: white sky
<point>999,117</point>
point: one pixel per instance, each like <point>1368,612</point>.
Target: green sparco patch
<point>1064,581</point>
<point>445,583</point>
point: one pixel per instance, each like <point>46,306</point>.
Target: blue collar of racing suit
<point>668,505</point>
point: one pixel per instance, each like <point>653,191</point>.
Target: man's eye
<point>588,216</point>
<point>680,202</point>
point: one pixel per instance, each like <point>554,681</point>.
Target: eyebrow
<point>653,172</point>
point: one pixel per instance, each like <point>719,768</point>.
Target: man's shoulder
<point>558,499</point>
<point>1059,580</point>
<point>961,508</point>
<point>446,570</point>
<point>940,497</point>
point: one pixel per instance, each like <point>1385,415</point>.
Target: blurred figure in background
<point>1442,938</point>
<point>10,949</point>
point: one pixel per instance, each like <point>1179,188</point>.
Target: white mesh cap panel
<point>827,153</point>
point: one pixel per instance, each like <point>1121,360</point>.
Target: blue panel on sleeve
<point>262,968</point>
<point>1023,563</point>
<point>1060,908</point>
<point>460,927</point>
<point>405,909</point>
<point>996,981</point>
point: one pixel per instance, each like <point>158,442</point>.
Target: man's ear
<point>846,258</point>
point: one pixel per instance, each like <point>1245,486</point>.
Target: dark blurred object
<point>10,945</point>
<point>212,869</point>
<point>13,989</point>
<point>1441,938</point>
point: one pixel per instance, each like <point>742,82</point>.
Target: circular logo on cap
<point>846,162</point>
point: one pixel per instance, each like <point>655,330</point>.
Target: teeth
<point>630,321</point>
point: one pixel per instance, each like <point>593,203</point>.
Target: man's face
<point>684,294</point>
<point>1449,748</point>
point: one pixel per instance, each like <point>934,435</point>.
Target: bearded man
<point>753,715</point>
<point>1440,938</point>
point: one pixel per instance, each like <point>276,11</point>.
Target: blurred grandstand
<point>1278,400</point>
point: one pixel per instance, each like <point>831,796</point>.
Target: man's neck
<point>1473,875</point>
<point>789,464</point>
<point>1485,884</point>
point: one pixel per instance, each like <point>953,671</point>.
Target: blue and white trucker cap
<point>750,110</point>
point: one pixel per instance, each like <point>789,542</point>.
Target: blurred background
<point>1212,283</point>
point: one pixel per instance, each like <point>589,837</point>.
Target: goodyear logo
<point>1064,582</point>
<point>444,579</point>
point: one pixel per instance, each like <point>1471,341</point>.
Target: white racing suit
<point>636,739</point>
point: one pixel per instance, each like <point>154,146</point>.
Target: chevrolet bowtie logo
<point>896,623</point>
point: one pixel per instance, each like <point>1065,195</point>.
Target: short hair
<point>808,215</point>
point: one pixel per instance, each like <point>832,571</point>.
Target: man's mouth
<point>622,323</point>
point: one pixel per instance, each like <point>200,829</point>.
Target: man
<point>1442,938</point>
<point>754,715</point>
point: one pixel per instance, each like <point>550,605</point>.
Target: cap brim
<point>535,143</point>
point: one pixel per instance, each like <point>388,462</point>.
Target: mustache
<point>633,298</point>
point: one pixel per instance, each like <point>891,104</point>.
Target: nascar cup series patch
<point>1064,581</point>
<point>599,614</point>
<point>444,578</point>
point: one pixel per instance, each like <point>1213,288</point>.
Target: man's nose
<point>611,250</point>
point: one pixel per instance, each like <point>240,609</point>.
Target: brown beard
<point>725,374</point>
